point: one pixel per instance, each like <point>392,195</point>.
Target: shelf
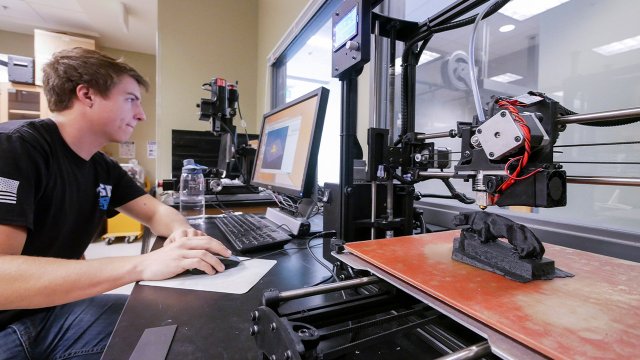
<point>22,102</point>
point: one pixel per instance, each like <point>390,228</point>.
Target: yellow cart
<point>122,226</point>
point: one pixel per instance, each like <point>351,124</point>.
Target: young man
<point>56,189</point>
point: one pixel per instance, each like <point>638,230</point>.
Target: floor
<point>99,249</point>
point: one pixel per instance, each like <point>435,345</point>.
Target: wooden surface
<point>594,315</point>
<point>248,209</point>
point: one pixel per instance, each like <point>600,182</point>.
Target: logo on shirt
<point>8,190</point>
<point>104,195</point>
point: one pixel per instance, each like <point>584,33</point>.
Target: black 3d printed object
<point>521,260</point>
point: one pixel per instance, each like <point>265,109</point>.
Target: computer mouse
<point>228,262</point>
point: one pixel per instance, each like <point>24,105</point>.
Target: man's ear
<point>85,95</point>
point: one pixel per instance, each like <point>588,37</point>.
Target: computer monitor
<point>287,156</point>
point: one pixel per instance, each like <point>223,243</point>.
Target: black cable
<point>285,226</point>
<point>430,31</point>
<point>323,281</point>
<point>240,114</point>
<point>423,46</point>
<point>235,146</point>
<point>246,134</point>
<point>233,140</point>
<point>462,197</point>
<point>318,211</point>
<point>438,196</point>
<point>224,208</point>
<point>423,225</point>
<point>407,93</point>
<point>471,19</point>
<point>283,250</point>
<point>408,69</point>
<point>314,255</point>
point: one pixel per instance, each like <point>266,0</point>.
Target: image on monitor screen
<point>288,145</point>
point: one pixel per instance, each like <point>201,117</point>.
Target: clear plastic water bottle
<point>192,188</point>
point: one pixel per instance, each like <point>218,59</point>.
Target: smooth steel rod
<point>600,116</point>
<point>323,289</point>
<point>436,175</point>
<point>472,352</point>
<point>437,135</point>
<point>602,180</point>
<point>592,180</point>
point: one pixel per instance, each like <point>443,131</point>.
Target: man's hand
<point>183,233</point>
<point>183,250</point>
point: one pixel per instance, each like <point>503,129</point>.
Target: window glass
<point>305,70</point>
<point>583,53</point>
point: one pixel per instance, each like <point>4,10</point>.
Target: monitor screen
<point>288,147</point>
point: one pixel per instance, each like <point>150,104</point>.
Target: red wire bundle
<point>510,105</point>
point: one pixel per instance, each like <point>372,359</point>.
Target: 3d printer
<point>506,154</point>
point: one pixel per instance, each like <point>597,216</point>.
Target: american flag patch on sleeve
<point>8,190</point>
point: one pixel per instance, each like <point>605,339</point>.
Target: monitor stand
<point>298,226</point>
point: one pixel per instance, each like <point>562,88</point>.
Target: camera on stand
<point>220,109</point>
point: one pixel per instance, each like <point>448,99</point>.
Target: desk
<point>214,204</point>
<point>210,325</point>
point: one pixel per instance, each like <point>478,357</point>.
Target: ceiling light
<point>506,77</point>
<point>507,28</point>
<point>124,17</point>
<point>618,47</point>
<point>524,9</point>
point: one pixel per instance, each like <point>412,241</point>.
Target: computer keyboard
<point>249,232</point>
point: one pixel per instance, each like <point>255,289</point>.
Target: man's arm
<point>163,220</point>
<point>33,282</point>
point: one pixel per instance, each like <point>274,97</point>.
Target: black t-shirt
<point>58,196</point>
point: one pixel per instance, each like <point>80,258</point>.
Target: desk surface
<point>592,315</point>
<point>211,325</point>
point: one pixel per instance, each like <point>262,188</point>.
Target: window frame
<point>309,22</point>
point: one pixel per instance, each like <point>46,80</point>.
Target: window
<point>574,51</point>
<point>304,66</point>
<point>584,54</point>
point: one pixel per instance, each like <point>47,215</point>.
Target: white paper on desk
<point>237,280</point>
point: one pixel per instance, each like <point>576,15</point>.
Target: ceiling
<point>121,24</point>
